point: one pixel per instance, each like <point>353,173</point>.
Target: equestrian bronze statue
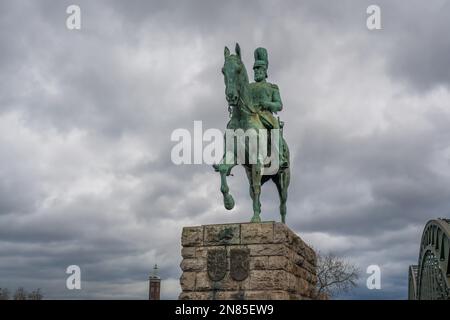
<point>252,107</point>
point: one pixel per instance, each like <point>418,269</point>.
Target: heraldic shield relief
<point>239,263</point>
<point>217,264</point>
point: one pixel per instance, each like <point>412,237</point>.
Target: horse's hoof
<point>228,202</point>
<point>255,219</point>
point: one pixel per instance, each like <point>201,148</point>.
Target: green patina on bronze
<point>252,106</point>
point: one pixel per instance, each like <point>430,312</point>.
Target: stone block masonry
<point>244,261</point>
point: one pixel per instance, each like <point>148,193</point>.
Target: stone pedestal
<point>246,261</point>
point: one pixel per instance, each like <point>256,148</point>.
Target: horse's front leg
<point>224,170</point>
<point>256,188</point>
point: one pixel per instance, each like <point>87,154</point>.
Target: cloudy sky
<point>86,116</point>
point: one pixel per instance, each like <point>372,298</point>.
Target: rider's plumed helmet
<point>261,59</point>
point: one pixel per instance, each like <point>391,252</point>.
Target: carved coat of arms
<point>217,264</point>
<point>239,263</point>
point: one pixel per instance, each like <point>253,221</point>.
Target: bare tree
<point>20,294</point>
<point>4,294</point>
<point>334,275</point>
<point>35,295</point>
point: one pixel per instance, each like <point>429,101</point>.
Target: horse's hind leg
<point>254,177</point>
<point>251,190</point>
<point>282,180</point>
<point>248,171</point>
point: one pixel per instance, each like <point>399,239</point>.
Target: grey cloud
<point>87,177</point>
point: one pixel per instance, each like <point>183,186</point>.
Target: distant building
<point>154,292</point>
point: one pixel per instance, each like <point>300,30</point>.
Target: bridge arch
<point>430,279</point>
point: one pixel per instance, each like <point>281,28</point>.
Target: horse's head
<point>235,75</point>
